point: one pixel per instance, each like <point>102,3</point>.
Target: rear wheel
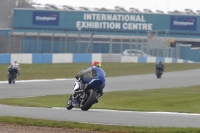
<point>69,103</point>
<point>89,100</point>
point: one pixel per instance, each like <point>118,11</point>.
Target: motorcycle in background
<point>159,72</point>
<point>12,75</point>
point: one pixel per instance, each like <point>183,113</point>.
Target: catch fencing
<point>36,42</point>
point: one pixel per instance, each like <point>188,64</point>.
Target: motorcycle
<point>159,72</point>
<point>83,97</point>
<point>12,75</point>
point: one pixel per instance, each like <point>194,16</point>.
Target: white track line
<point>41,80</point>
<point>170,113</point>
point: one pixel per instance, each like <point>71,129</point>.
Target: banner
<point>183,23</point>
<point>113,21</point>
<point>45,18</point>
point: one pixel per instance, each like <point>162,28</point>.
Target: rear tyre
<point>89,100</point>
<point>69,103</point>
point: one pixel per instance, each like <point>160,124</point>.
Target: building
<point>65,29</point>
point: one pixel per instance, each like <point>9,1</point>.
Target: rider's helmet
<point>96,63</point>
<point>15,62</point>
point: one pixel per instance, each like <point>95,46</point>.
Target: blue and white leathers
<point>98,79</point>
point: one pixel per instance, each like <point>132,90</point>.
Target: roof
<point>115,9</point>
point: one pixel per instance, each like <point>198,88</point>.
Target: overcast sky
<point>165,5</point>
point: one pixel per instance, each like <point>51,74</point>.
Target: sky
<point>164,5</point>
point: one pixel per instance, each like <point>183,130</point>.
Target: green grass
<point>171,100</point>
<point>94,127</point>
<point>175,99</point>
<point>69,70</point>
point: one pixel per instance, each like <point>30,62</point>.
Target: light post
<point>79,34</point>
<point>92,41</point>
<point>90,45</point>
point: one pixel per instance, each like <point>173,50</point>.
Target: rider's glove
<point>77,77</point>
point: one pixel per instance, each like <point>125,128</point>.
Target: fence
<point>30,42</point>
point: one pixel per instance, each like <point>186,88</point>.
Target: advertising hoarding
<point>45,18</point>
<point>183,23</point>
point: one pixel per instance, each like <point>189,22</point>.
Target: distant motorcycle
<point>12,75</point>
<point>82,98</point>
<point>159,72</point>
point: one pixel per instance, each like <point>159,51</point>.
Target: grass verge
<point>94,127</point>
<point>171,100</point>
<point>69,70</point>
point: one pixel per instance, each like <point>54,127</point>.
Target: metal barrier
<point>158,43</point>
<point>82,58</point>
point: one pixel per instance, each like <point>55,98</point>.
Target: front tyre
<point>10,79</point>
<point>69,105</point>
<point>89,100</point>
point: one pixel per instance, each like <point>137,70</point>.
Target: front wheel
<point>69,105</point>
<point>14,78</point>
<point>10,79</point>
<point>159,76</point>
<point>89,100</point>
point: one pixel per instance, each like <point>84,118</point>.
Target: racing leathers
<point>15,66</point>
<point>160,66</point>
<point>93,76</point>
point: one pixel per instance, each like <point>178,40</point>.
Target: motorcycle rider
<point>93,76</point>
<point>160,66</point>
<point>16,66</point>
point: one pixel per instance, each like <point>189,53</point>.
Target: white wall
<point>62,58</point>
<point>22,58</point>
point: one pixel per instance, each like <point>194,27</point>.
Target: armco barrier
<point>41,58</point>
<point>5,58</point>
<point>80,58</point>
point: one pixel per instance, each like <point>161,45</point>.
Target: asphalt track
<point>136,82</point>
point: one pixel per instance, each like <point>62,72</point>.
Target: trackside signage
<point>183,23</point>
<point>114,22</point>
<point>45,18</point>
